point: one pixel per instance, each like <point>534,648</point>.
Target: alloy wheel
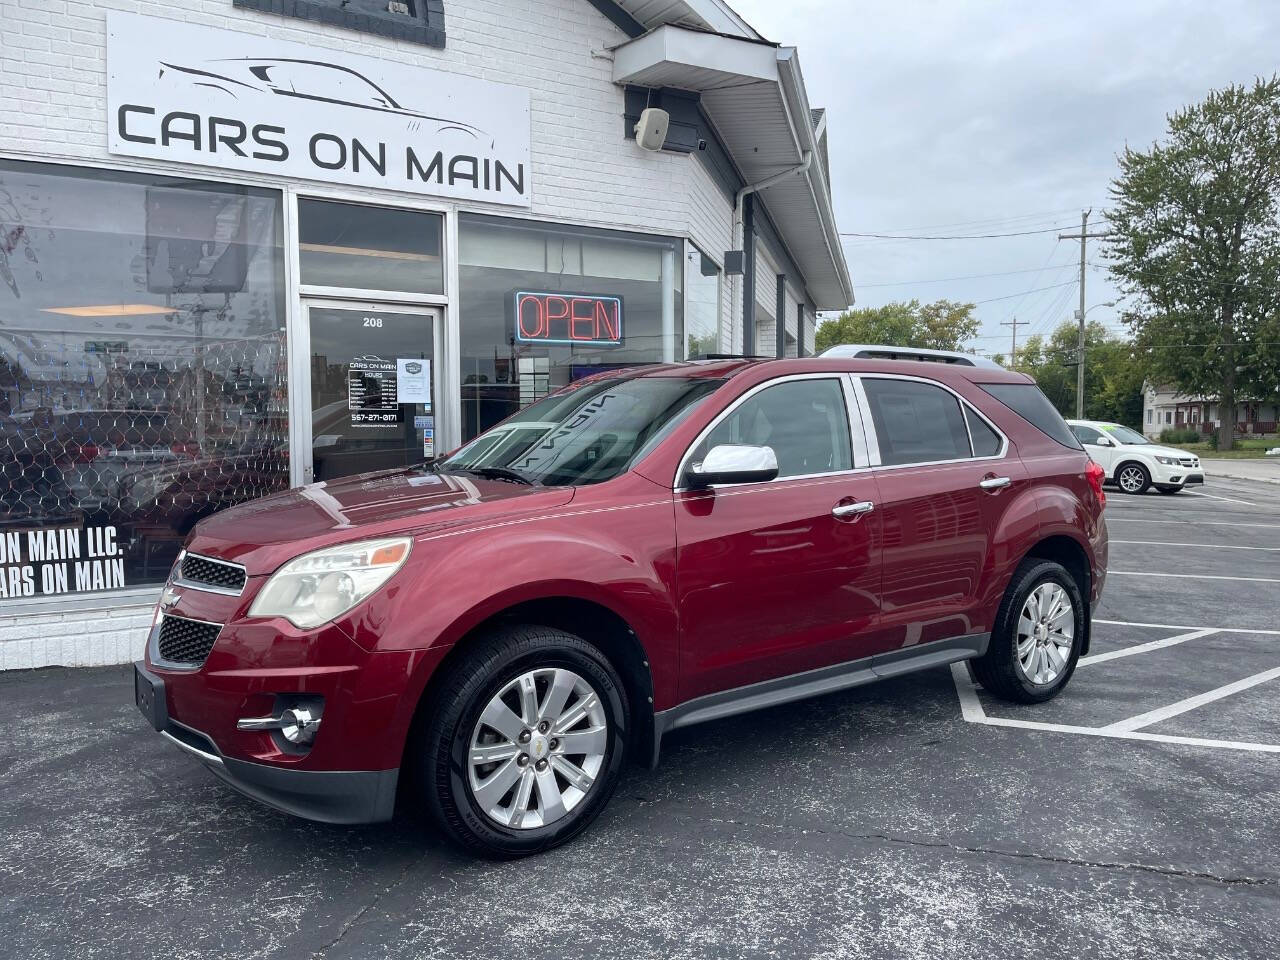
<point>1046,633</point>
<point>1132,479</point>
<point>537,748</point>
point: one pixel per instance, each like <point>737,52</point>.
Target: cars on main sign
<point>1133,462</point>
<point>492,635</point>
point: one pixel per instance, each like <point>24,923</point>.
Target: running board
<point>813,683</point>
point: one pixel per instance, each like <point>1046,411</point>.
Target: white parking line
<point>1202,523</point>
<point>1188,576</point>
<point>1144,647</point>
<point>1183,626</point>
<point>1190,703</point>
<point>1193,493</point>
<point>1211,546</point>
<point>971,710</point>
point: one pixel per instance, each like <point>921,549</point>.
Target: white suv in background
<point>1133,462</point>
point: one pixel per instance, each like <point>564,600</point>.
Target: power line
<point>1055,286</point>
<point>971,276</point>
<point>964,236</point>
<point>1040,215</point>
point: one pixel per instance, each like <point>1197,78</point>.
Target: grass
<point>1246,448</point>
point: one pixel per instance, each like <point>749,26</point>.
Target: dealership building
<point>247,245</point>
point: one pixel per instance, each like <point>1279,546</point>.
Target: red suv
<point>494,633</point>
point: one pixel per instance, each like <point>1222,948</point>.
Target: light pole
<point>1080,315</point>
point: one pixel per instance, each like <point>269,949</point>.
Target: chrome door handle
<point>853,509</point>
<point>995,483</point>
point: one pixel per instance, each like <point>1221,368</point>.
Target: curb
<point>1237,476</point>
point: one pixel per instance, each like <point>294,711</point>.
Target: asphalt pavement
<point>1133,817</point>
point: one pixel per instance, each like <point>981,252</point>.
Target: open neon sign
<point>584,319</point>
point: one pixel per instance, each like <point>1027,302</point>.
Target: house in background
<point>1165,408</point>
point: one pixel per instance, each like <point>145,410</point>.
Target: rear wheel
<point>525,743</point>
<point>1133,478</point>
<point>1037,637</point>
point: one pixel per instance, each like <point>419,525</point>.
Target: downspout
<point>748,291</point>
<point>802,167</point>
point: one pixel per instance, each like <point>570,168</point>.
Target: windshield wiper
<point>501,473</point>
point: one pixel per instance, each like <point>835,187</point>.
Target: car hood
<point>263,534</point>
<point>1155,450</point>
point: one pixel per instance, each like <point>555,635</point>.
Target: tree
<point>1113,375</point>
<point>1196,242</point>
<point>941,325</point>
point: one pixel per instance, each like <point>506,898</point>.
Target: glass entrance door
<point>372,377</point>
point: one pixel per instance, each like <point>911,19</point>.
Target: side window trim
<point>728,411</point>
<point>874,441</point>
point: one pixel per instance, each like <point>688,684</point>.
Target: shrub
<point>1179,435</point>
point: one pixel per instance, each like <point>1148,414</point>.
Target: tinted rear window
<point>1026,400</point>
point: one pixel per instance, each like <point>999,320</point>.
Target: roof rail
<point>870,351</point>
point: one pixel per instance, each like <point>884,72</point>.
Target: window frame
<point>873,440</point>
<point>853,418</point>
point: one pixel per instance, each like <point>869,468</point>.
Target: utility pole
<point>1084,236</point>
<point>1013,349</point>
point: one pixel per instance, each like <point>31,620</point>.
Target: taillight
<point>1094,473</point>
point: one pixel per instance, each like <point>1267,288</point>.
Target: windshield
<point>587,434</point>
<point>1124,434</point>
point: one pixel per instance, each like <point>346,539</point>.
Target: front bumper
<point>330,796</point>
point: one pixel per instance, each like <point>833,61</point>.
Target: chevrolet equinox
<point>491,635</point>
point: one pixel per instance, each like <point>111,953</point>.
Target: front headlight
<point>1167,461</point>
<point>317,587</point>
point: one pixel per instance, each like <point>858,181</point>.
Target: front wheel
<point>1133,478</point>
<point>525,742</point>
<point>1037,637</point>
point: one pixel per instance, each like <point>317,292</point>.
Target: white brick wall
<point>53,106</point>
<point>112,633</point>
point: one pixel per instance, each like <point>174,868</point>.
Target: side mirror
<point>734,463</point>
<point>1105,442</point>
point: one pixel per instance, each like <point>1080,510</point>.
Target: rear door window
<point>1026,400</point>
<point>916,422</point>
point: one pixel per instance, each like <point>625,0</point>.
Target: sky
<point>978,116</point>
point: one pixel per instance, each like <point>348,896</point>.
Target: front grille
<point>1189,462</point>
<point>186,641</point>
<point>214,573</point>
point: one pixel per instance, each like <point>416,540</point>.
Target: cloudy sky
<point>952,117</point>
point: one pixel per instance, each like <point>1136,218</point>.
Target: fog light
<point>300,725</point>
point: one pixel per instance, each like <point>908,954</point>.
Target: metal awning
<point>754,94</point>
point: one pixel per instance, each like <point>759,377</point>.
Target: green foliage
<point>1196,244</point>
<point>1113,373</point>
<point>941,325</point>
<point>1177,435</point>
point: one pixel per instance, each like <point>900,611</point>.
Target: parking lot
<point>1134,817</point>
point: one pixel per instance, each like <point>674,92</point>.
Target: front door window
<point>372,375</point>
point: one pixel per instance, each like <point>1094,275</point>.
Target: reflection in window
<point>591,300</point>
<point>702,304</point>
<point>142,369</point>
<point>369,248</point>
<point>916,422</point>
<point>805,423</point>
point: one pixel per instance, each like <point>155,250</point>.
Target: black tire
<point>1141,475</point>
<point>1170,490</point>
<point>439,751</point>
<point>999,670</point>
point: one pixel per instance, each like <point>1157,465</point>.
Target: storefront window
<point>369,248</point>
<point>544,305</point>
<point>702,304</point>
<point>142,370</point>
